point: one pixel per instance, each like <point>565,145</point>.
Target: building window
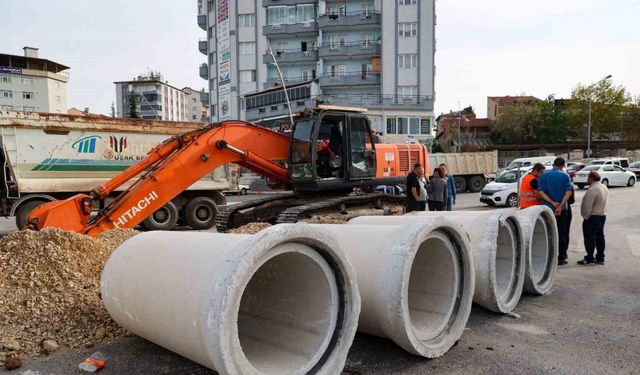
<point>338,70</point>
<point>306,13</point>
<point>246,20</point>
<point>58,99</point>
<point>247,48</point>
<point>29,109</point>
<point>5,79</point>
<point>337,10</point>
<point>6,107</point>
<point>281,15</point>
<point>6,93</point>
<point>247,76</point>
<point>425,125</point>
<point>407,61</point>
<point>391,126</point>
<point>408,2</point>
<point>407,29</point>
<point>26,81</point>
<point>193,100</point>
<point>194,117</point>
<point>407,91</point>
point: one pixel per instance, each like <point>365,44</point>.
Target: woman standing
<point>437,191</point>
<point>423,182</point>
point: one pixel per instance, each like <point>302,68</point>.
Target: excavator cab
<point>331,148</point>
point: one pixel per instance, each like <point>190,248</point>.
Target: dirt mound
<point>50,289</point>
<point>251,228</point>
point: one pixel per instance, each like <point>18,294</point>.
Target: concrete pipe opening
<point>539,250</point>
<point>288,312</point>
<point>416,279</point>
<point>282,301</point>
<point>433,287</point>
<point>541,240</point>
<point>508,256</point>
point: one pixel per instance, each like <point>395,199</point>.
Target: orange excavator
<point>329,152</point>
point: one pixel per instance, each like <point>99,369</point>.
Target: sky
<point>484,47</point>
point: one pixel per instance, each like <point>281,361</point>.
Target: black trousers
<point>563,223</point>
<point>593,233</point>
<point>412,205</point>
<point>422,205</point>
<point>436,206</point>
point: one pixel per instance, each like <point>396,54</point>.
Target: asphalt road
<point>590,324</point>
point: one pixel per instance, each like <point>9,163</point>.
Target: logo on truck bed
<point>86,145</point>
<point>117,144</point>
<point>136,209</point>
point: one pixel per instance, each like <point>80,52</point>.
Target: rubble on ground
<point>251,228</point>
<point>50,288</point>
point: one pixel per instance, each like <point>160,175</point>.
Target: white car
<point>504,190</point>
<point>610,174</point>
<point>242,189</point>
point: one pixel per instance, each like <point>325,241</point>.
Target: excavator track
<point>297,213</point>
<point>261,209</point>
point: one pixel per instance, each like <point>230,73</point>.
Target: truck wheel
<point>476,183</point>
<point>22,216</point>
<point>200,213</point>
<point>461,184</point>
<point>165,218</point>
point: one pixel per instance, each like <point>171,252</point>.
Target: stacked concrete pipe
<point>283,301</point>
<point>498,252</point>
<point>416,281</point>
<point>541,239</point>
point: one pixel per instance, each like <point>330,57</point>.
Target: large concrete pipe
<point>416,282</point>
<point>497,247</point>
<point>283,301</point>
<point>541,239</point>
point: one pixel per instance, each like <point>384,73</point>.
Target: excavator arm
<point>168,170</point>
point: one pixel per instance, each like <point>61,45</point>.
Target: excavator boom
<point>168,170</point>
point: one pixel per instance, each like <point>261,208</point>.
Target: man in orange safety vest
<point>529,186</point>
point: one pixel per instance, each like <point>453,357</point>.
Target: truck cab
<point>331,147</point>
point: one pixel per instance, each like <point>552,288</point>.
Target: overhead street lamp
<point>589,126</point>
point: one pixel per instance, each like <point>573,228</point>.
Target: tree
<point>631,122</point>
<point>541,122</point>
<point>133,107</point>
<point>608,104</point>
<point>113,109</point>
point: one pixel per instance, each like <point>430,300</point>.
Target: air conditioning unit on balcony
<point>306,53</point>
<point>276,27</point>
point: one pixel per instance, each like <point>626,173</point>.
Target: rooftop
<point>33,63</point>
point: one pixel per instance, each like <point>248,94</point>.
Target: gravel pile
<point>50,291</point>
<point>251,228</point>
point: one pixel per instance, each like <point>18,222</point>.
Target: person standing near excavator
<point>529,185</point>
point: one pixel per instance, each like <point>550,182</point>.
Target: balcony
<point>270,3</point>
<point>349,79</point>
<point>204,97</point>
<point>273,81</point>
<point>202,21</point>
<point>297,29</point>
<point>203,46</point>
<point>350,20</point>
<point>291,56</point>
<point>204,71</point>
<point>357,49</point>
<point>419,102</point>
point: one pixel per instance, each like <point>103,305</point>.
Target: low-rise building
<point>32,84</point>
<point>197,103</point>
<point>496,103</point>
<point>463,131</point>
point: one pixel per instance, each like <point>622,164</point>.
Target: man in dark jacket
<point>413,187</point>
<point>437,191</point>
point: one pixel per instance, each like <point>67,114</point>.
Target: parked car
<point>635,168</point>
<point>574,168</point>
<point>242,189</point>
<point>611,175</point>
<point>529,162</point>
<point>623,162</point>
<point>504,190</point>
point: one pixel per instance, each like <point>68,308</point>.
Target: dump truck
<point>49,157</point>
<point>470,169</point>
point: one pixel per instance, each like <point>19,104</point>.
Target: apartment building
<point>154,99</point>
<point>366,53</point>
<point>197,104</point>
<point>32,84</point>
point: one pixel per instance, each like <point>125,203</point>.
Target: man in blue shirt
<point>451,187</point>
<point>554,190</point>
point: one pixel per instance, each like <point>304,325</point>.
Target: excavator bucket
<point>71,214</point>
